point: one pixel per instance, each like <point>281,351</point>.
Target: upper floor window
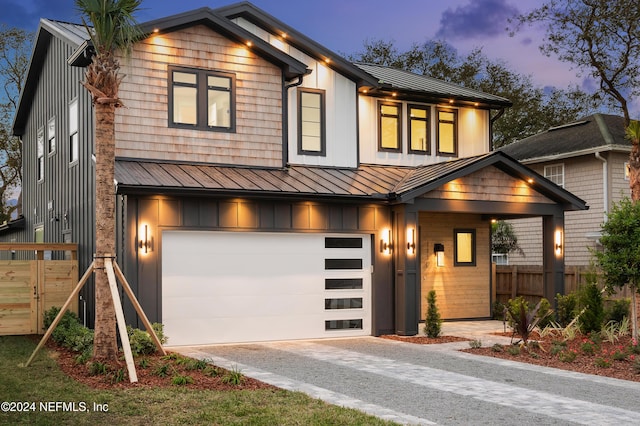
<point>555,173</point>
<point>447,132</point>
<point>201,99</point>
<point>51,136</point>
<point>311,121</point>
<point>40,155</point>
<point>389,128</point>
<point>418,130</point>
<point>73,131</point>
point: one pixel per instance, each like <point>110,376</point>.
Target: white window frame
<point>554,176</point>
<point>74,142</point>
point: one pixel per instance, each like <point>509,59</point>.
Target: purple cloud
<point>479,18</point>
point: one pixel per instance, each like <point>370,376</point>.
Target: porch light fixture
<point>146,241</point>
<point>411,241</point>
<point>558,242</point>
<point>438,249</point>
<point>385,242</point>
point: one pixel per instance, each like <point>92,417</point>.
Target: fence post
<point>514,282</point>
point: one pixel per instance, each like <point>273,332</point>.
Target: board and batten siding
<point>473,134</point>
<point>62,203</point>
<point>143,126</point>
<point>461,291</point>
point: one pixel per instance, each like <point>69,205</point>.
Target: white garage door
<point>224,287</point>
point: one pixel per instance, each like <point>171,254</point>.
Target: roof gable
<point>595,133</point>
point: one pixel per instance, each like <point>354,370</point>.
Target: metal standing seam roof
<point>405,80</point>
<point>364,182</point>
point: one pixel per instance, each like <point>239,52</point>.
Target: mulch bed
<point>148,377</point>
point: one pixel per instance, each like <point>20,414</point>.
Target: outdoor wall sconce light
<point>146,241</point>
<point>438,249</point>
<point>558,242</point>
<point>385,242</point>
<point>411,241</point>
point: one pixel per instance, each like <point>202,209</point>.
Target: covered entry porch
<point>442,221</point>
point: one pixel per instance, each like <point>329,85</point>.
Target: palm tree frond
<point>113,23</point>
<point>632,132</point>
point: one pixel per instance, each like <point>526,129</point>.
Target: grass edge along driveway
<point>47,396</point>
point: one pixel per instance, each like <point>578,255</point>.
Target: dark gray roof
<point>401,80</point>
<point>391,184</point>
<point>597,132</point>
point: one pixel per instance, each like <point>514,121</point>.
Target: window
<point>627,170</point>
<point>418,130</point>
<point>389,127</point>
<point>73,131</point>
<point>40,155</point>
<point>311,121</point>
<point>51,136</point>
<point>447,132</point>
<point>464,247</point>
<point>200,99</point>
<point>555,173</point>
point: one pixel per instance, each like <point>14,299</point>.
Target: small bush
<point>180,380</point>
<point>433,322</point>
<point>141,341</point>
<point>161,370</point>
<point>497,347</point>
<point>590,298</point>
<point>97,368</point>
<point>475,344</point>
<point>567,308</point>
<point>513,350</point>
<point>233,377</point>
<point>557,347</point>
<point>602,362</point>
<point>617,310</point>
<point>588,347</point>
<point>119,375</point>
<point>567,356</point>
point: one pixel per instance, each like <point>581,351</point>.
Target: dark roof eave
<point>434,97</point>
<point>13,225</point>
<point>206,16</point>
<point>124,189</point>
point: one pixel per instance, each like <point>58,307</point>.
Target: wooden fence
<point>511,281</point>
<point>30,287</point>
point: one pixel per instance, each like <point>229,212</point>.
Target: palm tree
<point>632,132</point>
<point>113,31</point>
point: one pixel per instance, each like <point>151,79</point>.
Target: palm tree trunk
<point>105,343</point>
<point>634,171</point>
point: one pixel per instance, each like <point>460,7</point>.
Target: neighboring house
<point>268,189</point>
<point>588,157</point>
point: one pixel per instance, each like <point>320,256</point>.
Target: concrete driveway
<point>432,384</point>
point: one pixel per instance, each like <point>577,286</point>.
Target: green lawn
<point>41,385</point>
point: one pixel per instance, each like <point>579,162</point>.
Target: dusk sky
<point>344,25</point>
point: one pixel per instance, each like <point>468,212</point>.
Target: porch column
<point>406,273</point>
<point>553,255</point>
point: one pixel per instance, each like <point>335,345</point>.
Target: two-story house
<point>588,157</point>
<point>268,189</point>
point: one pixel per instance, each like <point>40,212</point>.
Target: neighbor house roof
<point>595,133</point>
<point>392,184</point>
<point>439,90</point>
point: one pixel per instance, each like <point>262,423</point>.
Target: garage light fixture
<point>385,242</point>
<point>146,241</point>
<point>411,241</point>
<point>438,249</point>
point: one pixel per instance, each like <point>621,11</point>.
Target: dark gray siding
<point>144,272</point>
<point>62,203</point>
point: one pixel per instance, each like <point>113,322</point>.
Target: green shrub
<point>69,332</point>
<point>141,341</point>
<point>522,319</point>
<point>617,310</point>
<point>567,308</point>
<point>567,356</point>
<point>590,299</point>
<point>499,311</point>
<point>180,380</point>
<point>433,322</point>
<point>545,314</point>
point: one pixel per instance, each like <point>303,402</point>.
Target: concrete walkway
<point>433,384</point>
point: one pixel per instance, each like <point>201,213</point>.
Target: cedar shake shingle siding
<point>142,127</point>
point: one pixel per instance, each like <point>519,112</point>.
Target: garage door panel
<point>223,287</point>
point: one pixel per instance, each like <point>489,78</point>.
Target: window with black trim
<point>419,129</point>
<point>51,136</point>
<point>389,128</point>
<point>464,246</point>
<point>73,131</point>
<point>447,132</point>
<point>201,99</point>
<point>40,155</point>
<point>311,121</point>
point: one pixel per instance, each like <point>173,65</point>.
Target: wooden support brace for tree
<point>122,325</point>
<point>55,322</point>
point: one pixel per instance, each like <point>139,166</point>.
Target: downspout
<point>605,184</point>
<point>491,121</point>
<point>285,118</point>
